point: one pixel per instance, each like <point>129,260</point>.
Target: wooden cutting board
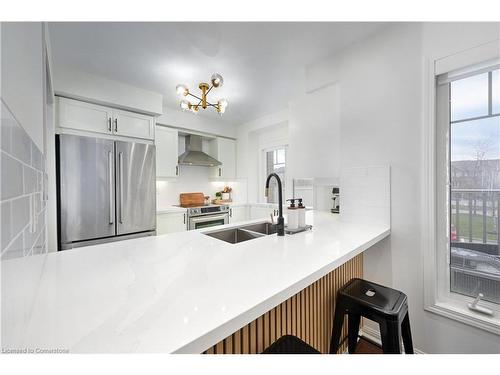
<point>192,199</point>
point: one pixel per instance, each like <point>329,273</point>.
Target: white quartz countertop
<point>170,210</point>
<point>180,292</point>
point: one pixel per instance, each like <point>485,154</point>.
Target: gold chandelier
<point>186,105</point>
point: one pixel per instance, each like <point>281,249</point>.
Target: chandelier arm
<point>194,96</point>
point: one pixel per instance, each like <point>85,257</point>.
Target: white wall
<point>186,120</point>
<point>22,70</point>
<point>252,138</point>
<point>381,82</point>
<point>314,125</point>
<point>89,87</point>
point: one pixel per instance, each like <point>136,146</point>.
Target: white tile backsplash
<point>365,194</point>
<point>23,210</point>
<point>195,179</point>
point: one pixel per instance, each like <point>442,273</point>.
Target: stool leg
<point>338,320</point>
<point>389,333</point>
<point>353,331</point>
<point>406,332</point>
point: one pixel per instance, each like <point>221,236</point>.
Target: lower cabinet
<point>262,212</point>
<point>237,214</point>
<point>171,222</point>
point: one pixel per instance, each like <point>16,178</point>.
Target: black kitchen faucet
<point>280,226</point>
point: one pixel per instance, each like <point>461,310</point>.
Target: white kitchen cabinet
<point>237,214</point>
<point>224,150</point>
<point>262,212</point>
<point>167,152</point>
<point>75,114</point>
<point>130,124</point>
<point>171,222</point>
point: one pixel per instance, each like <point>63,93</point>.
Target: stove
<point>203,216</point>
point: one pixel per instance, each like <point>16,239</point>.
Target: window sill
<point>462,314</point>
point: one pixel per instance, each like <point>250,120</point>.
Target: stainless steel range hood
<point>194,154</point>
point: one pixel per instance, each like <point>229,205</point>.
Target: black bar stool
<point>388,307</point>
<point>290,344</point>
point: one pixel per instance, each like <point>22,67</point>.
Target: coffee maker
<point>336,200</point>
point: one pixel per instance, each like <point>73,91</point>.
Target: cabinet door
<point>167,152</point>
<point>227,155</point>
<point>237,214</point>
<point>132,124</point>
<point>224,150</point>
<point>79,115</point>
<point>171,223</point>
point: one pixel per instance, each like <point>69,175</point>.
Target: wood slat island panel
<point>307,315</point>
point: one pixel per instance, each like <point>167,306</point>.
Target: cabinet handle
<point>219,172</point>
<point>120,168</point>
<point>116,125</point>
<point>176,170</point>
<point>109,124</point>
<point>110,187</point>
<point>230,212</point>
<point>184,218</point>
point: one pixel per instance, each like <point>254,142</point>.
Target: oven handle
<point>205,218</point>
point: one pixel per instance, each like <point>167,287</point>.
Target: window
<point>472,168</point>
<point>275,162</point>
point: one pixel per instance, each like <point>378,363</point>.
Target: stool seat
<point>388,307</point>
<point>289,344</point>
<point>373,298</point>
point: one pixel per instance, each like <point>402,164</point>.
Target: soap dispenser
<point>292,215</point>
<point>301,214</point>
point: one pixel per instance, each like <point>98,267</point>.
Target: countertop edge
<point>209,339</point>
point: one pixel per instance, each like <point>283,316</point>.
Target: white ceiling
<point>257,60</point>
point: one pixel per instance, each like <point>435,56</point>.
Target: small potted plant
<point>218,196</point>
<point>226,193</point>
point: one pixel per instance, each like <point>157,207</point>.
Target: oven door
<point>199,222</point>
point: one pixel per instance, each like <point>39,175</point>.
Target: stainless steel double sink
<point>243,233</point>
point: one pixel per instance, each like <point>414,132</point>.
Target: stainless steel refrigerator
<point>106,190</point>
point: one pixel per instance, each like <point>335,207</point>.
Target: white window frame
<point>263,168</point>
<point>434,219</point>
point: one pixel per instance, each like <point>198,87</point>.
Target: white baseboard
<point>373,334</point>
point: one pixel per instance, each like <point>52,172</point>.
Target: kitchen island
<point>177,293</point>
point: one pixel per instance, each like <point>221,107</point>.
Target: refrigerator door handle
<point>110,187</point>
<point>120,166</point>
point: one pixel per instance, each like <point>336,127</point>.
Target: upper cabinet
<point>132,124</point>
<point>224,150</point>
<point>167,152</point>
<point>74,114</point>
<point>78,115</point>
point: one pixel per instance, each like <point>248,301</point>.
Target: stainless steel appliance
<point>207,216</point>
<point>336,200</point>
<point>194,154</point>
<point>106,190</point>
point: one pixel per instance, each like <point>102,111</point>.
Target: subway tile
<point>8,123</point>
<point>36,157</point>
<point>39,247</point>
<point>12,177</point>
<point>37,197</point>
<point>20,213</point>
<point>31,238</point>
<point>30,180</point>
<point>6,231</point>
<point>39,181</point>
<point>15,249</point>
<point>21,145</point>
